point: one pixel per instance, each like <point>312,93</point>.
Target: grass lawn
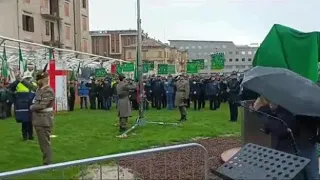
<point>89,133</point>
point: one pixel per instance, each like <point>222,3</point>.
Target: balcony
<point>45,13</point>
<point>55,43</point>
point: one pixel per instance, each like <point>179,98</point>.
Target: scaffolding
<point>38,55</point>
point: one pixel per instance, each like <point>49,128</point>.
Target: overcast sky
<point>241,21</point>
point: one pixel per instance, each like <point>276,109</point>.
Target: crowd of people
<point>160,93</point>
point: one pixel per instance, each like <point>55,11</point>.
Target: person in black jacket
<point>202,94</point>
<point>93,87</point>
<point>106,94</point>
<point>158,92</point>
<point>234,90</point>
<point>148,90</point>
<point>99,95</point>
<point>195,93</point>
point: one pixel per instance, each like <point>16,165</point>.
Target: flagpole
<point>139,51</point>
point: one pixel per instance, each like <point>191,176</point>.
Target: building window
<point>199,47</point>
<point>230,52</point>
<point>249,59</point>
<point>243,59</point>
<point>129,55</point>
<point>128,41</point>
<point>47,28</point>
<point>230,60</point>
<point>193,47</point>
<point>181,47</point>
<point>84,4</point>
<point>237,52</point>
<point>66,9</point>
<point>84,23</point>
<point>27,1</point>
<point>187,47</point>
<point>243,52</point>
<point>45,4</point>
<point>249,52</point>
<point>237,59</point>
<point>160,54</point>
<point>68,33</point>
<point>112,49</point>
<point>224,46</point>
<point>28,23</point>
<point>144,55</point>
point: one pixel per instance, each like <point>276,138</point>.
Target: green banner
<point>127,67</point>
<point>200,63</point>
<point>192,67</point>
<point>162,69</point>
<point>119,68</point>
<point>171,69</point>
<point>150,64</point>
<point>145,68</point>
<point>100,72</point>
<point>217,61</point>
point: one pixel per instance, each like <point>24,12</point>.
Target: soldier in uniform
<point>124,107</point>
<point>182,96</point>
<point>234,90</point>
<point>42,113</point>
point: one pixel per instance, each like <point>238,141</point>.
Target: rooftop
<point>202,41</point>
<point>104,32</point>
<point>151,43</point>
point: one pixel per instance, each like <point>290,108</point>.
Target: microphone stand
<point>288,130</point>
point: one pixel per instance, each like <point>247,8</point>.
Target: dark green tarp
<point>288,48</point>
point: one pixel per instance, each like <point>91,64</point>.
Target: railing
<point>116,157</point>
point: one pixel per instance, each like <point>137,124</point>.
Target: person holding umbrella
<point>293,117</point>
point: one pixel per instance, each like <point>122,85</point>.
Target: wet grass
<point>90,133</point>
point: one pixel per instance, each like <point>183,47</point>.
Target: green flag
<point>288,48</point>
<point>5,73</point>
<point>73,76</point>
<point>23,66</point>
<point>217,61</point>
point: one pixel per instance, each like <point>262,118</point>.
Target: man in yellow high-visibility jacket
<point>22,101</point>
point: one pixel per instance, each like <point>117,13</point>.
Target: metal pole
<point>139,51</point>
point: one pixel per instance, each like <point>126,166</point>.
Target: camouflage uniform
<point>124,107</point>
<point>43,115</point>
<point>182,95</point>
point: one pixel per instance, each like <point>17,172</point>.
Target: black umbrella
<point>283,87</point>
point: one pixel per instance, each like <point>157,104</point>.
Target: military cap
<point>41,75</point>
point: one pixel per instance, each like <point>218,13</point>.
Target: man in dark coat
<point>158,92</point>
<point>107,94</point>
<point>148,93</point>
<point>234,89</point>
<point>195,93</point>
<point>212,91</point>
<point>93,87</point>
<point>202,96</point>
